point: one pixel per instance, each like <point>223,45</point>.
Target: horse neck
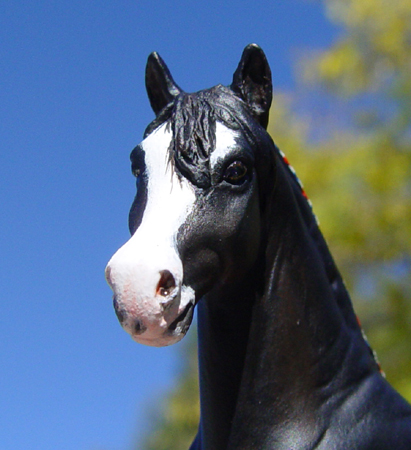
<point>223,328</point>
<point>305,346</point>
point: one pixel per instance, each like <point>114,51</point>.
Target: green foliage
<point>373,50</point>
<point>359,180</point>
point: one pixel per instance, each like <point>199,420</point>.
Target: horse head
<point>203,171</point>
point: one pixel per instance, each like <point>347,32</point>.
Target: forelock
<point>192,120</point>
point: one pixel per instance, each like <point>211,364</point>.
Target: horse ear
<point>161,88</point>
<point>252,82</point>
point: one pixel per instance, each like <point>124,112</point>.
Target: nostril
<point>166,284</point>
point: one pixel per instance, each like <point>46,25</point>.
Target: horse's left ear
<point>161,88</point>
<point>252,82</point>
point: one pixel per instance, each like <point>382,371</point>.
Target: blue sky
<point>73,105</point>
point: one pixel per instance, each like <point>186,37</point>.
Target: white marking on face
<point>135,270</point>
<point>225,139</point>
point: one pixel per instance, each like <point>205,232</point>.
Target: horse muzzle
<point>152,304</point>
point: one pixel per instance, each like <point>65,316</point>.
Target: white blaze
<point>135,269</point>
<point>225,139</point>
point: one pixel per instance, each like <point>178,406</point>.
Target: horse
<point>220,222</point>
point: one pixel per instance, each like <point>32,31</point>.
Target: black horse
<point>221,221</point>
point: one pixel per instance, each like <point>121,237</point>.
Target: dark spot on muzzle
<point>138,327</point>
<point>119,313</point>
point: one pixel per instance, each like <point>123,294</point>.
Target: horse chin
<point>161,341</point>
<point>173,333</point>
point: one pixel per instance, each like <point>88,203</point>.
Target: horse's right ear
<point>252,82</point>
<point>161,88</point>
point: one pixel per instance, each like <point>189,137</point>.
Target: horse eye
<point>236,173</point>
